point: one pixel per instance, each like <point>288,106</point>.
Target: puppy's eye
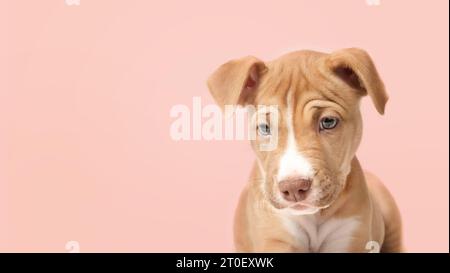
<point>263,129</point>
<point>328,123</point>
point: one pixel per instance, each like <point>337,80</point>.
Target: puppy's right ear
<point>236,82</point>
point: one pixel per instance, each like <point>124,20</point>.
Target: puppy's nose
<point>294,190</point>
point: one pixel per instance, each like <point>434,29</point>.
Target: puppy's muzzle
<point>295,190</point>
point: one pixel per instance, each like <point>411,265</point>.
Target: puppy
<point>309,194</point>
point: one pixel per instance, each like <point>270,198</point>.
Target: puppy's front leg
<point>274,245</point>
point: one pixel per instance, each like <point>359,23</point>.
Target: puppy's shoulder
<point>383,197</point>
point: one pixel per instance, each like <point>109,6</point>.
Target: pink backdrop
<point>85,94</point>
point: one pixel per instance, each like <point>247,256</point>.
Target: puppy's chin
<point>304,210</point>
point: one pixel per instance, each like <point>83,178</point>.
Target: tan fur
<point>319,85</point>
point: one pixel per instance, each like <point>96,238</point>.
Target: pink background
<point>85,94</point>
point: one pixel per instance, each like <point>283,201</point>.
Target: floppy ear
<point>236,81</point>
<point>355,67</point>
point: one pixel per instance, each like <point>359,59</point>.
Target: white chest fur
<point>332,235</point>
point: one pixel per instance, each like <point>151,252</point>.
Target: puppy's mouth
<point>300,206</point>
<point>307,206</point>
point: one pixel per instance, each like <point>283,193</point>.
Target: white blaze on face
<point>292,162</point>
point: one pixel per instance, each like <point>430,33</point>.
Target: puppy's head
<point>318,124</point>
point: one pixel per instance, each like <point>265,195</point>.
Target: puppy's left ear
<point>355,67</point>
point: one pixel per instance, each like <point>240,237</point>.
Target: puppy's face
<point>317,123</point>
